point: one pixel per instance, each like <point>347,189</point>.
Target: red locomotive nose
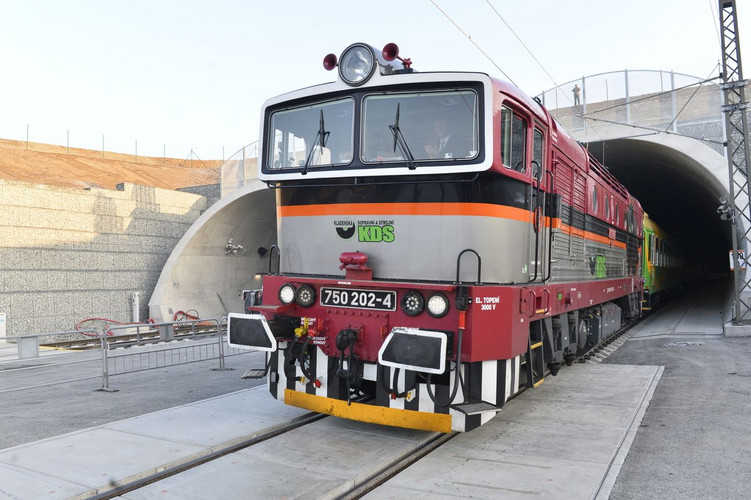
<point>358,259</point>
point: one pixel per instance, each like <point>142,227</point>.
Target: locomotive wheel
<point>554,367</point>
<point>569,359</point>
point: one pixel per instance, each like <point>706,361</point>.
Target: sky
<point>167,77</point>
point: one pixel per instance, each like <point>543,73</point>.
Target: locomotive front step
<point>475,408</point>
<point>255,373</point>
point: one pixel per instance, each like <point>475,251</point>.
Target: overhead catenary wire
<point>654,131</point>
<point>469,37</point>
<point>716,23</point>
<point>491,60</point>
<point>522,42</point>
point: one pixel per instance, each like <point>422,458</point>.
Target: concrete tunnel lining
<point>677,179</point>
<point>199,275</point>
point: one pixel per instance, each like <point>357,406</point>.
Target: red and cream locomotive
<point>442,244</point>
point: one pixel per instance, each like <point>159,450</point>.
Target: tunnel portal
<point>679,182</point>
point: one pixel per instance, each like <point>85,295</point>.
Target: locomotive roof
<point>512,90</point>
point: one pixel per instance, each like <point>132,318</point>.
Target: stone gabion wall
<point>67,255</point>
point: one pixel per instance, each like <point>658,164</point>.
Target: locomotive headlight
<point>357,64</point>
<point>412,303</point>
<point>287,294</point>
<point>306,295</point>
<point>438,305</point>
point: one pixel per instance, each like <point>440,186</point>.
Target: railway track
<point>610,344</point>
<point>363,482</point>
<point>395,468</point>
<point>219,452</point>
<point>127,340</point>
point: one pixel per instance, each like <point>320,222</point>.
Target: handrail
<point>479,264</point>
<point>278,258</point>
<point>550,231</point>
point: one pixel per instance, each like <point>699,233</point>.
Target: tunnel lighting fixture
<point>725,211</point>
<point>232,248</point>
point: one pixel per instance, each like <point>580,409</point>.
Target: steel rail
<point>120,489</point>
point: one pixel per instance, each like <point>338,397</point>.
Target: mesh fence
<point>641,100</point>
<point>240,168</point>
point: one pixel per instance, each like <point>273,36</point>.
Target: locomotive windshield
<point>423,126</point>
<point>412,127</point>
<point>316,135</point>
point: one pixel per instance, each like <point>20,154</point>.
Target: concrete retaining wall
<point>68,255</point>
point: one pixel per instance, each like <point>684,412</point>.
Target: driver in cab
<point>443,143</point>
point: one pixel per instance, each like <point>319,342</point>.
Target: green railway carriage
<point>663,266</point>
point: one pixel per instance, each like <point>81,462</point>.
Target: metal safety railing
<point>122,349</point>
<point>239,169</point>
<point>637,102</point>
<point>130,362</point>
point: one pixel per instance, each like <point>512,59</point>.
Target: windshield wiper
<point>399,141</point>
<point>321,137</point>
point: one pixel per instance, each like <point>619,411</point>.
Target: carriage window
<point>513,140</point>
<point>607,208</point>
<point>630,219</point>
<point>594,200</point>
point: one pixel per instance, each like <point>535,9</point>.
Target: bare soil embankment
<point>82,168</point>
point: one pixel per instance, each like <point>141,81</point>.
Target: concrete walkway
<point>566,439</point>
<point>695,439</point>
<point>560,441</point>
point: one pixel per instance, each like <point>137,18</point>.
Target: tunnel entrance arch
<point>679,182</point>
<point>221,254</point>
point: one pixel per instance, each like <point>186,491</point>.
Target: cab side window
<point>537,156</point>
<point>513,140</point>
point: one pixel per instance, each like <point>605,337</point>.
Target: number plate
<point>358,299</point>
